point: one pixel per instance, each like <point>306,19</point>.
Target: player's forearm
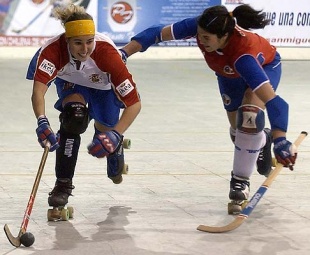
<point>128,116</point>
<point>38,105</point>
<point>37,98</point>
<point>132,47</point>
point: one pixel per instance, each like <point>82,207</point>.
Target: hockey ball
<point>27,239</point>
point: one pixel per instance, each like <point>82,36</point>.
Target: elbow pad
<point>277,110</point>
<point>149,36</point>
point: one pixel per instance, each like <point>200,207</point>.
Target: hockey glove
<point>285,152</point>
<point>105,143</point>
<point>45,134</point>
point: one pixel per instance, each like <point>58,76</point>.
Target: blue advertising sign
<point>120,20</point>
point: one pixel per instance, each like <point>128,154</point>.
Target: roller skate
<point>239,193</point>
<point>116,164</point>
<point>58,199</point>
<point>265,161</point>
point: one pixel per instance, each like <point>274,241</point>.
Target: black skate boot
<point>58,197</point>
<point>264,160</point>
<point>115,165</point>
<point>238,194</point>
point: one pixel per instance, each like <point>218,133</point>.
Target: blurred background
<point>29,23</point>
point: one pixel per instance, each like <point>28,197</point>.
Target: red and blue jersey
<point>244,55</point>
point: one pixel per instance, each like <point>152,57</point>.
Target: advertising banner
<point>290,20</point>
<point>31,22</point>
<point>120,20</point>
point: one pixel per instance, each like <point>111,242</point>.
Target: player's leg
<point>115,161</point>
<point>105,109</point>
<point>74,120</point>
<point>264,160</point>
<point>233,93</point>
<point>248,142</point>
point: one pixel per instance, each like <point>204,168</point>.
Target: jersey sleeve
<point>185,29</point>
<point>121,80</point>
<point>43,66</point>
<point>251,71</point>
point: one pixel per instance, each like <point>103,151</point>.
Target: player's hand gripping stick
<point>285,152</point>
<point>45,134</point>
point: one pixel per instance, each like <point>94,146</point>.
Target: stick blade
<point>17,31</point>
<point>222,229</point>
<point>15,241</point>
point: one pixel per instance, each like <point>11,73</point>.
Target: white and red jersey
<point>104,70</point>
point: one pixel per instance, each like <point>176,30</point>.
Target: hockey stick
<point>244,214</point>
<point>18,31</point>
<point>15,241</point>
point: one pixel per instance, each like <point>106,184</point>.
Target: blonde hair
<point>71,12</point>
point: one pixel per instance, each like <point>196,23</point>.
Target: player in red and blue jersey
<point>93,83</point>
<point>248,70</point>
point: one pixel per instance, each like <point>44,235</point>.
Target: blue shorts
<point>232,90</point>
<point>103,105</point>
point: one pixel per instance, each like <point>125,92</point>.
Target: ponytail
<point>248,18</point>
<point>217,20</point>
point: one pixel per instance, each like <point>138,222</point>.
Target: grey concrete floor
<point>179,172</point>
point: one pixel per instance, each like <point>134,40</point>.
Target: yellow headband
<point>80,27</point>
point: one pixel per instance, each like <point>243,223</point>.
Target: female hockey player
<point>92,82</point>
<point>248,70</point>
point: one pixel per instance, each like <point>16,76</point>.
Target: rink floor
<point>179,172</point>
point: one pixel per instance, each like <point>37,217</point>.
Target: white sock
<point>247,148</point>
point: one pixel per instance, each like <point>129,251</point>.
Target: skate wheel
<point>125,169</point>
<point>53,215</point>
<point>234,208</point>
<point>127,143</point>
<point>274,162</point>
<point>244,204</point>
<point>71,211</point>
<point>49,215</point>
<point>65,214</point>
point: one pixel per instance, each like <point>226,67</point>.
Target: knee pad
<point>250,119</point>
<point>74,118</point>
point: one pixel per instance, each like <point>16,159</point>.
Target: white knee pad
<point>250,119</point>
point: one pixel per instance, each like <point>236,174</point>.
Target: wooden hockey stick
<point>15,241</point>
<point>244,214</point>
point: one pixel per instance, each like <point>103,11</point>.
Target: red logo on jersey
<point>121,12</point>
<point>95,78</point>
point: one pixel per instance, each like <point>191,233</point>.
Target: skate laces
<point>261,155</point>
<point>63,187</point>
<point>240,185</point>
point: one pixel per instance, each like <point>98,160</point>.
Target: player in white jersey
<point>92,82</point>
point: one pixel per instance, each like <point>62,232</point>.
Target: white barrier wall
<point>159,53</point>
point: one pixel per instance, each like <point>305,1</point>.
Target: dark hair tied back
<point>217,20</point>
<point>248,18</point>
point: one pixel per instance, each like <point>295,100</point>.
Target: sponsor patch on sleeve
<point>125,88</point>
<point>47,67</point>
